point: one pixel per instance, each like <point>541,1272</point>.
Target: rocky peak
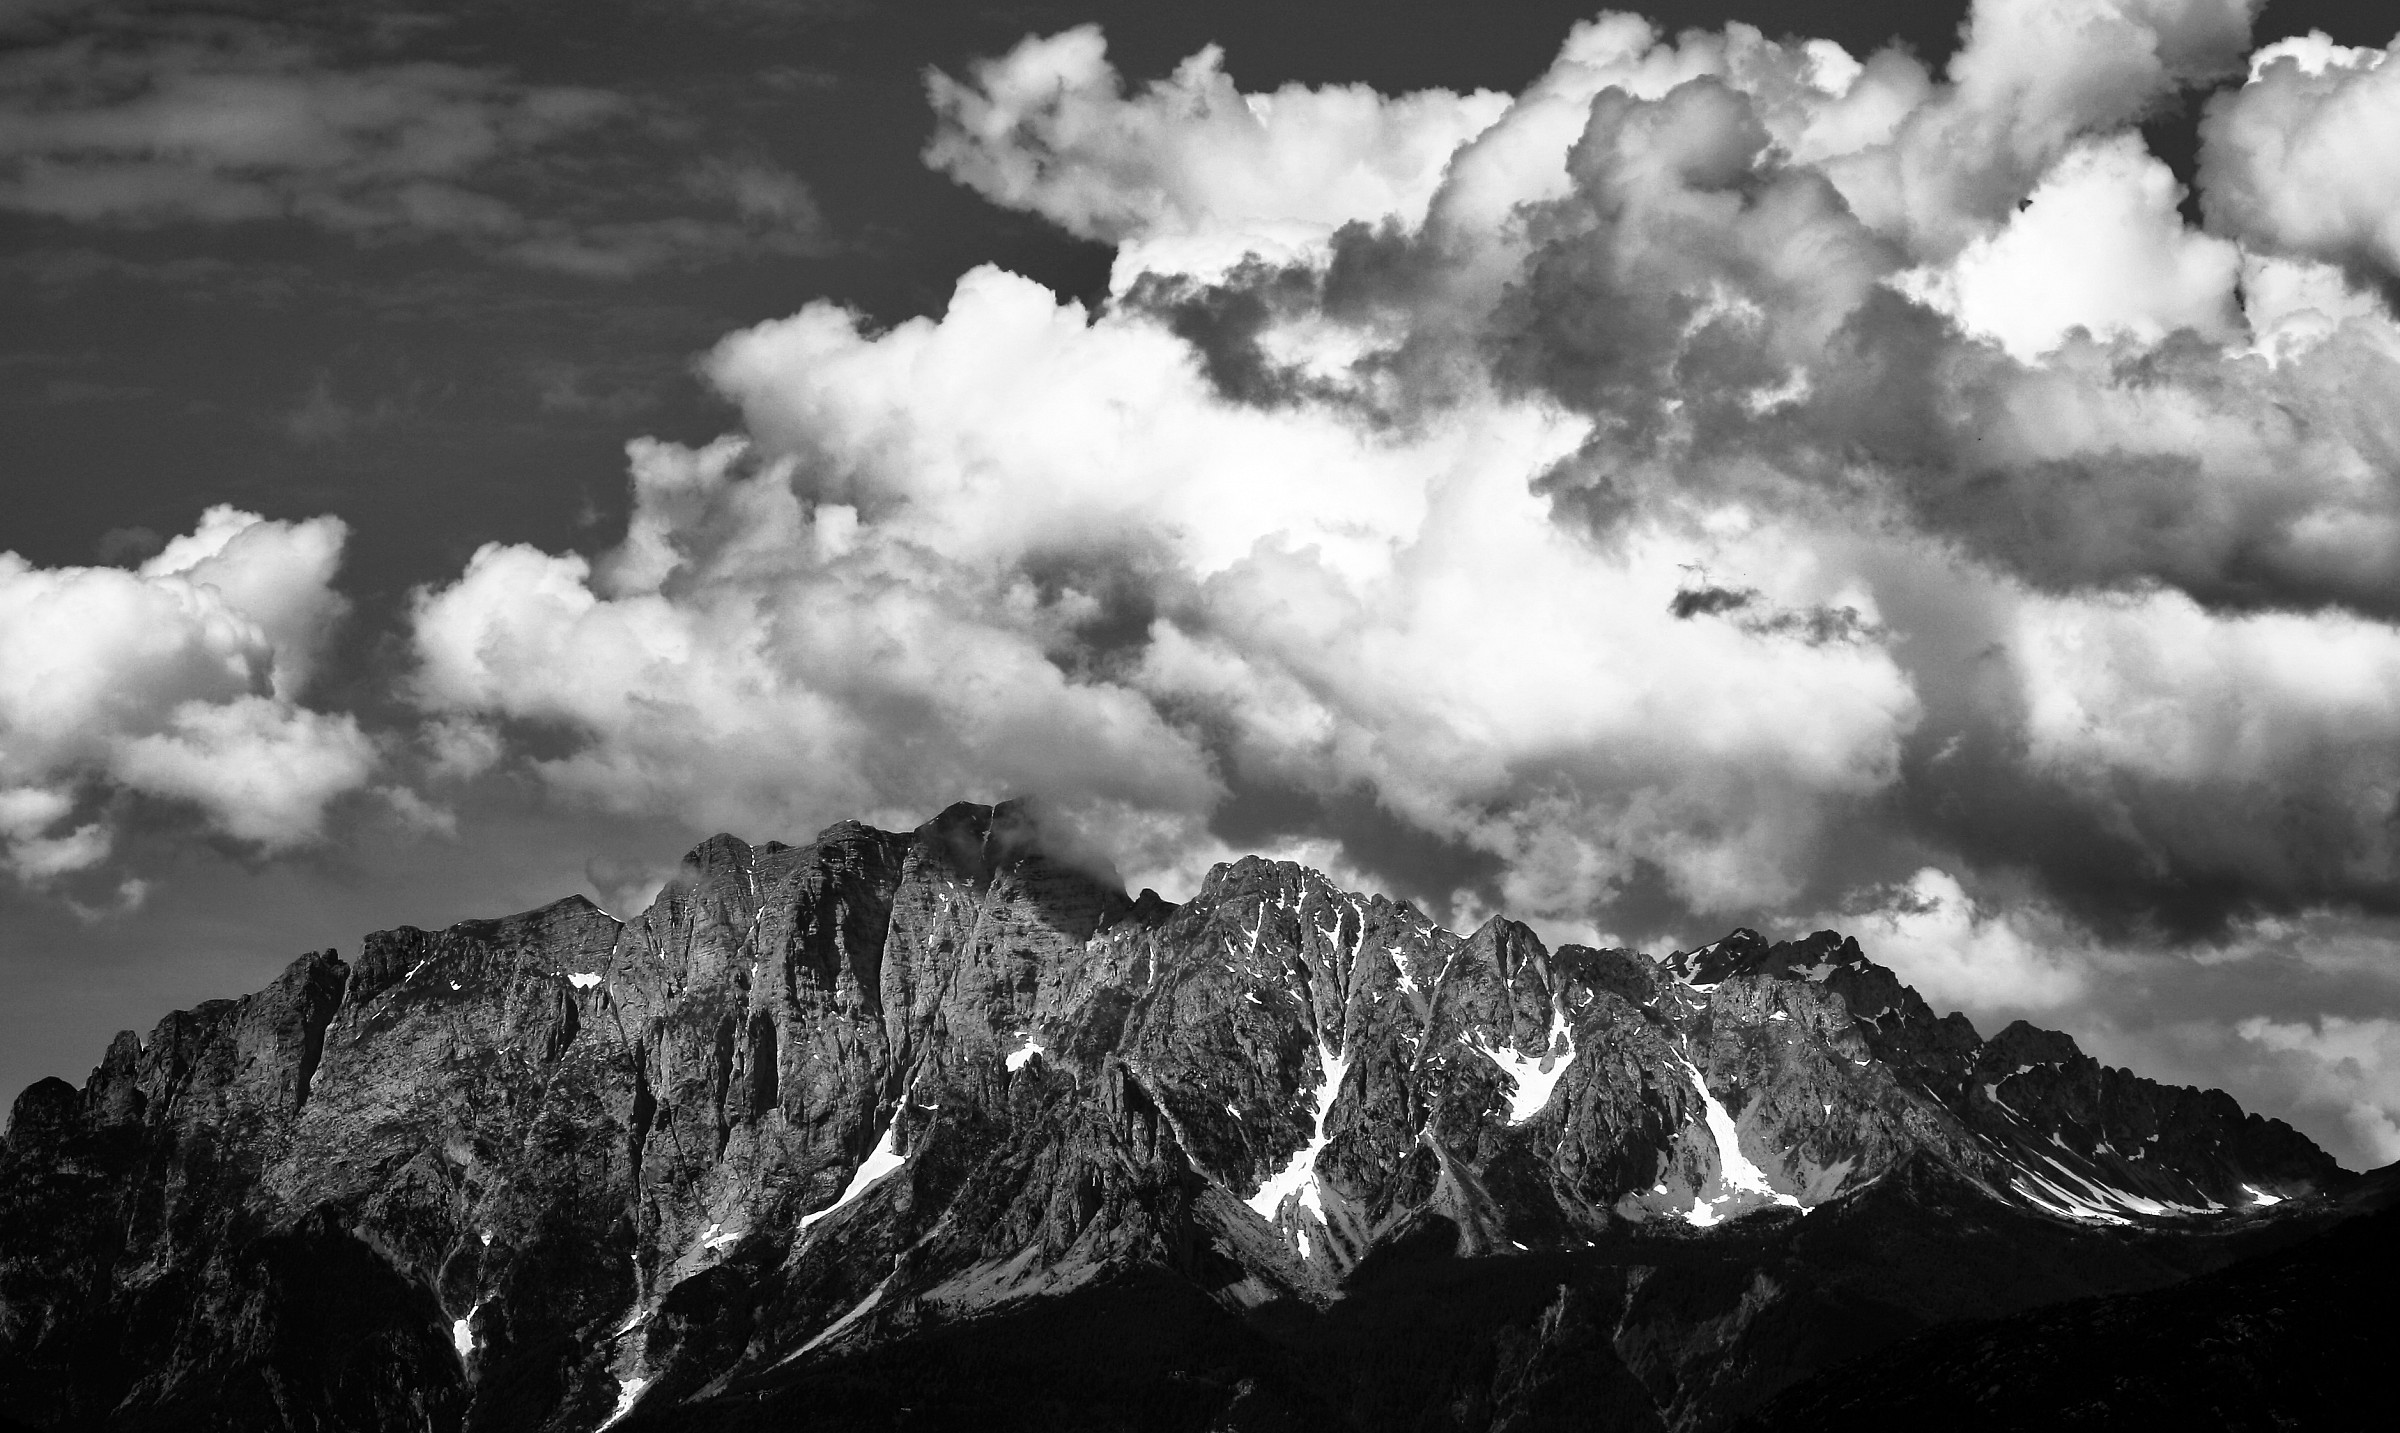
<point>45,1114</point>
<point>817,1097</point>
<point>2024,1045</point>
<point>1735,953</point>
<point>248,1061</point>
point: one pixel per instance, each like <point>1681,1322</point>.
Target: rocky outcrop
<point>823,1106</point>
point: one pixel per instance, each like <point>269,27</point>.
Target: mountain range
<point>943,1128</point>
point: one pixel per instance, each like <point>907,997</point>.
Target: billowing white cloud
<point>278,575</point>
<point>2293,305</point>
<point>1960,954</point>
<point>2300,161</point>
<point>1728,317</point>
<point>1017,428</point>
<point>1190,162</point>
<point>1580,474</point>
<point>749,661</point>
<point>2100,247</point>
<point>177,680</point>
<point>1187,172</point>
<point>1020,547</point>
<point>1509,687</point>
<point>2030,79</point>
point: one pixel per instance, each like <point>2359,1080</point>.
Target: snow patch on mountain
<point>627,1391</point>
<point>1533,1079</point>
<point>882,1160</point>
<point>2046,1194</point>
<point>462,1332</point>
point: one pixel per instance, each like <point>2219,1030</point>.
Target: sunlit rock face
<point>845,1105</point>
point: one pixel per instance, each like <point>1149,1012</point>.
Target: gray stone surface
<point>820,1100</point>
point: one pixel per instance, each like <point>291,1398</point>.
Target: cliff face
<point>826,1117</point>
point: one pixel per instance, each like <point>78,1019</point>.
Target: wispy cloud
<point>227,121</point>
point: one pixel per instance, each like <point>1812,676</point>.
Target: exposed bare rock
<point>888,1101</point>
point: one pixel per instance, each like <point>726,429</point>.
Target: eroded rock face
<point>840,1100</point>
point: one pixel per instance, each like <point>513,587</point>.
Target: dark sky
<point>429,270</point>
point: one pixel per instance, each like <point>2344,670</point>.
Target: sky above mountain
<point>1929,472</point>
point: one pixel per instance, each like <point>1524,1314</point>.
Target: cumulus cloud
<point>1730,478</point>
<point>1728,320</point>
<point>177,680</point>
<point>1024,547</point>
<point>227,121</point>
<point>2298,160</point>
<point>746,660</point>
<point>1190,160</point>
<point>2098,247</point>
<point>1051,127</point>
<point>2293,306</point>
<point>2030,79</point>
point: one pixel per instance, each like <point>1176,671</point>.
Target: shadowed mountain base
<point>2298,1338</point>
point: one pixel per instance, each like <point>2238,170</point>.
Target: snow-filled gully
<point>1299,1176</point>
<point>2097,1204</point>
<point>1735,1171</point>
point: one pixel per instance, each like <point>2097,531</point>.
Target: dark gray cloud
<point>1224,322</point>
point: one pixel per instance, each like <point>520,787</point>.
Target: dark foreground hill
<point>937,1129</point>
<point>2301,1337</point>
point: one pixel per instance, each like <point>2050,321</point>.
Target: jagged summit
<point>1745,952</point>
<point>819,1102</point>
